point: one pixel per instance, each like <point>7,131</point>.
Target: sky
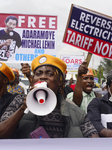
<point>60,8</point>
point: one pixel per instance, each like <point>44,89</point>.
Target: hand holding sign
<point>27,72</point>
<point>82,68</point>
<point>26,69</point>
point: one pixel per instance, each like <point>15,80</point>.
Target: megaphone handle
<point>26,110</point>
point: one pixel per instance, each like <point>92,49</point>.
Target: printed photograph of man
<point>9,39</point>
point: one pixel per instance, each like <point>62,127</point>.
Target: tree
<point>106,65</point>
<point>100,73</point>
<point>94,72</point>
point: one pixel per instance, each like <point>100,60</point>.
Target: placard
<point>24,37</point>
<point>72,62</point>
<point>89,31</point>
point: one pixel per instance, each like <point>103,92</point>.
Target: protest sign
<point>24,37</point>
<point>72,63</point>
<point>95,80</point>
<point>89,31</point>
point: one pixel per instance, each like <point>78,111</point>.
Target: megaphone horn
<point>41,100</point>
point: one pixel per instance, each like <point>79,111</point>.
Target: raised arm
<point>77,95</point>
<point>70,82</point>
<point>27,71</point>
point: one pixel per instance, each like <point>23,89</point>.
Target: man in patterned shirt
<point>13,86</point>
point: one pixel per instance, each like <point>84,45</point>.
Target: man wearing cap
<point>13,86</point>
<point>8,103</point>
<point>100,111</point>
<point>66,120</point>
<point>83,93</point>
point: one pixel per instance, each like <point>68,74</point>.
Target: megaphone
<point>41,100</point>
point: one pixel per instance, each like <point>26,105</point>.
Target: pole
<point>88,58</point>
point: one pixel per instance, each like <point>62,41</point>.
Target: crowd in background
<point>80,111</point>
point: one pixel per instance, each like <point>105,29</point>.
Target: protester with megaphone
<point>66,120</point>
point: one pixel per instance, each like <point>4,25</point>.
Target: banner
<point>72,62</point>
<point>89,31</point>
<point>24,37</point>
<point>56,144</point>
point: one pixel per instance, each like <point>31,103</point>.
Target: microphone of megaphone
<point>41,100</point>
<point>40,96</point>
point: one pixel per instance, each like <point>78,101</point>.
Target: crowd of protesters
<point>79,111</point>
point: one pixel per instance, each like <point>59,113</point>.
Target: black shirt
<point>5,100</point>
